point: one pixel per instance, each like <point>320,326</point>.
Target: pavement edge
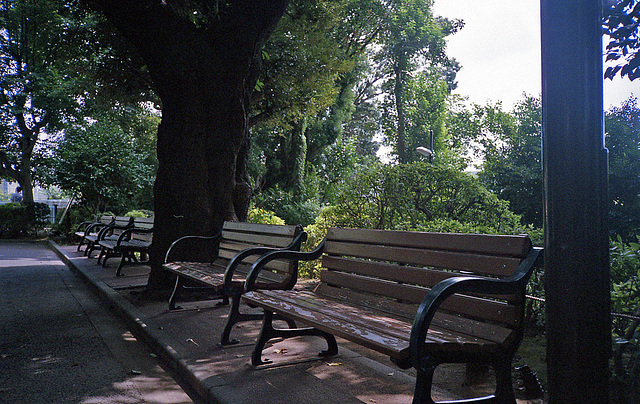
<point>167,347</point>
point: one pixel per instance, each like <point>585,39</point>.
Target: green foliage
<point>139,213</point>
<point>302,62</point>
<point>259,215</point>
<point>625,298</point>
<point>292,207</point>
<point>622,138</point>
<point>621,24</point>
<point>13,221</point>
<point>414,196</point>
<point>99,163</point>
<point>21,220</point>
<point>625,279</point>
<point>512,154</point>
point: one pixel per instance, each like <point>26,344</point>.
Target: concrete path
<point>59,344</point>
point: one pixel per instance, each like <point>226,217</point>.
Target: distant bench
<point>422,298</point>
<point>110,231</point>
<point>234,249</point>
<point>131,239</point>
<point>92,228</point>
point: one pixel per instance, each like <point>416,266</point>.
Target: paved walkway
<point>61,344</point>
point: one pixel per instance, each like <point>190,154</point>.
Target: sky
<point>499,50</point>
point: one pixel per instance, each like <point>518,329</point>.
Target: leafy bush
<point>420,196</point>
<point>140,213</point>
<point>19,220</point>
<point>13,221</point>
<point>292,207</point>
<point>259,215</point>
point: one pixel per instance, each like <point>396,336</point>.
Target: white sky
<point>499,50</point>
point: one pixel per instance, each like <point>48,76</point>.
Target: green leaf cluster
<point>421,196</point>
<point>98,162</point>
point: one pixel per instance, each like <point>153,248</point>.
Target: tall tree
<point>512,165</point>
<point>622,130</point>
<point>38,48</point>
<point>203,57</point>
<point>412,38</point>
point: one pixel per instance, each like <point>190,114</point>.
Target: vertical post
<point>575,175</point>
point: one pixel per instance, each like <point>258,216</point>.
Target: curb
<point>165,346</point>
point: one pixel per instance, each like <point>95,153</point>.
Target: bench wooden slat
<point>266,240</point>
<point>387,270</point>
<point>516,246</point>
<point>482,264</point>
<point>384,334</point>
<point>276,265</point>
<point>258,228</point>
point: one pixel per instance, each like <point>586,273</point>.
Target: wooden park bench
<point>109,232</point>
<point>131,240</point>
<point>234,249</point>
<point>422,298</point>
<point>92,228</point>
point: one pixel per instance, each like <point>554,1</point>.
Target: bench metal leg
<point>504,386</point>
<point>422,392</point>
<point>504,389</point>
<point>119,270</point>
<point>268,332</point>
<point>236,317</point>
<point>174,294</point>
<point>89,250</point>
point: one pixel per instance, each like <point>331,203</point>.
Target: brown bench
<point>131,241</point>
<point>109,232</point>
<point>92,228</point>
<point>422,298</point>
<point>235,248</point>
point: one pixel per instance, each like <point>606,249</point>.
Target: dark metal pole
<point>576,231</point>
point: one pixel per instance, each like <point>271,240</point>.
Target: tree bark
<point>204,76</point>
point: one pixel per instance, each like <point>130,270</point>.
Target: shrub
<point>259,215</point>
<point>19,220</point>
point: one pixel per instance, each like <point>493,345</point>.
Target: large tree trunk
<point>204,76</point>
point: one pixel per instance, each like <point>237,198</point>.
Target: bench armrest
<point>252,276</point>
<point>126,235</point>
<point>462,284</point>
<point>107,229</point>
<point>84,225</point>
<point>186,238</point>
<point>295,245</point>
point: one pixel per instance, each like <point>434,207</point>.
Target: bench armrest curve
<point>462,284</point>
<point>294,245</point>
<point>252,276</point>
<point>185,238</point>
<point>125,235</point>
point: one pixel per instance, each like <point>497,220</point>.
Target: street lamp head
<point>424,151</point>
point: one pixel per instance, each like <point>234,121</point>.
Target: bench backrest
<point>142,223</point>
<point>237,236</point>
<point>393,270</point>
<point>117,227</point>
<point>105,219</point>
